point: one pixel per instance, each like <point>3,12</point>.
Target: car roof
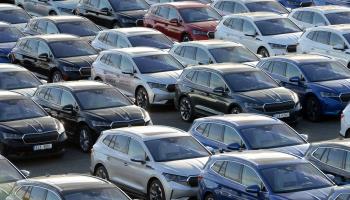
<point>137,51</point>
<point>62,18</point>
<point>54,37</point>
<point>341,143</point>
<point>301,58</point>
<point>78,85</point>
<point>6,6</point>
<point>4,95</point>
<point>225,68</point>
<point>132,31</point>
<point>324,9</point>
<point>183,4</point>
<point>11,67</point>
<point>340,28</point>
<point>209,44</point>
<point>257,16</point>
<point>150,132</point>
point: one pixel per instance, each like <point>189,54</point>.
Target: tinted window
<point>266,6</point>
<point>199,14</point>
<point>277,26</point>
<point>217,166</point>
<point>319,153</point>
<point>38,194</point>
<point>172,14</point>
<point>233,54</point>
<point>233,171</point>
<point>324,71</point>
<point>157,63</point>
<point>201,128</point>
<point>18,80</point>
<point>43,48</point>
<point>53,95</point>
<point>73,48</point>
<point>86,28</point>
<point>338,18</point>
<point>307,17</point>
<point>201,56</point>
<point>216,81</point>
<point>190,52</point>
<point>67,99</point>
<point>9,34</point>
<point>121,144</point>
<point>15,16</point>
<point>249,177</point>
<point>152,40</point>
<point>292,71</point>
<point>216,132</point>
<point>136,150</point>
<point>322,37</point>
<point>31,46</point>
<point>279,68</point>
<point>128,5</point>
<point>51,28</point>
<point>203,78</point>
<point>336,157</point>
<point>231,136</point>
<point>336,40</point>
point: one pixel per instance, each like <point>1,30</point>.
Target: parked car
<point>332,157</point>
<point>8,38</point>
<point>263,174</point>
<point>87,108</point>
<point>212,51</point>
<point>182,21</point>
<point>321,83</point>
<point>237,132</point>
<point>333,41</point>
<point>158,162</point>
<point>345,123</point>
<point>73,25</point>
<point>330,2</point>
<point>48,7</point>
<point>320,16</point>
<point>14,15</point>
<point>267,34</point>
<point>226,7</point>
<point>292,4</point>
<point>26,129</point>
<point>232,89</point>
<point>131,37</point>
<point>113,13</point>
<point>56,57</point>
<point>144,73</point>
<point>66,187</point>
<point>18,79</point>
<point>164,1</point>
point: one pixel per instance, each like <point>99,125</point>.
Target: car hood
<point>80,61</point>
<point>187,167</point>
<point>169,77</point>
<point>339,86</point>
<point>67,4</point>
<point>29,92</point>
<point>297,150</point>
<point>272,95</point>
<point>316,194</point>
<point>5,48</point>
<point>204,26</point>
<point>125,113</point>
<point>33,125</point>
<point>284,39</point>
<point>135,14</point>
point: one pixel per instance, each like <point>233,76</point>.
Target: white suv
<point>333,41</point>
<point>267,34</point>
<point>48,7</point>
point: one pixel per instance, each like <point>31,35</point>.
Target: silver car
<point>48,7</point>
<point>158,161</point>
<point>144,73</point>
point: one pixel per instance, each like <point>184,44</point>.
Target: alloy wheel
<point>156,192</point>
<point>264,53</point>
<point>186,109</point>
<point>57,77</point>
<point>313,109</point>
<point>84,140</point>
<point>142,98</point>
<point>101,172</point>
<point>235,110</point>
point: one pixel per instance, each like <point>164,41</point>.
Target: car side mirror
<point>251,33</point>
<point>44,56</point>
<point>174,21</point>
<point>139,160</point>
<point>305,136</point>
<point>25,173</point>
<point>234,146</point>
<point>295,79</point>
<point>105,10</point>
<point>219,90</point>
<point>331,176</point>
<point>68,108</point>
<point>255,189</point>
<point>340,47</point>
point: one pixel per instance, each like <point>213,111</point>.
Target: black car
<point>113,13</point>
<point>66,187</point>
<point>232,88</point>
<point>26,129</point>
<point>87,108</point>
<point>55,57</point>
<point>62,24</point>
<point>332,157</point>
<point>18,79</point>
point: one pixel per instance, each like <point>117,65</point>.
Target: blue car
<point>322,84</point>
<point>296,3</point>
<point>248,131</point>
<point>262,175</point>
<point>8,38</point>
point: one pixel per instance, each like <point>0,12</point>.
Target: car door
<point>43,7</point>
<point>160,19</point>
<point>202,57</point>
<point>69,118</point>
<point>187,55</point>
<point>218,101</point>
<point>128,77</point>
<point>44,58</point>
<point>91,11</point>
<point>300,88</point>
<point>249,178</point>
<point>105,18</point>
<point>52,104</point>
<point>30,49</point>
<point>337,47</point>
<point>321,44</point>
<point>247,38</point>
<point>200,93</point>
<point>174,29</point>
<point>112,71</point>
<point>233,30</point>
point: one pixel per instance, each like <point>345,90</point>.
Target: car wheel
<point>156,191</point>
<point>52,13</point>
<point>142,98</point>
<point>263,52</point>
<point>186,38</point>
<point>85,139</point>
<point>101,172</point>
<point>56,77</point>
<point>186,109</point>
<point>313,109</point>
<point>209,197</point>
<point>13,59</point>
<point>347,134</point>
<point>235,110</point>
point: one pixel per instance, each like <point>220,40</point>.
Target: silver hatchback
<point>158,161</point>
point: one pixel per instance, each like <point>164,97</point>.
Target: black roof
<point>226,68</point>
<point>78,85</point>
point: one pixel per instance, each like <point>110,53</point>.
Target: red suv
<point>183,21</point>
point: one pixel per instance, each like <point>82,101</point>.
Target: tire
<point>264,52</point>
<point>313,109</point>
<point>209,197</point>
<point>186,38</point>
<point>52,13</point>
<point>13,59</point>
<point>141,98</point>
<point>85,139</point>
<point>235,110</point>
<point>186,109</point>
<point>56,76</point>
<point>347,134</point>
<point>101,172</point>
<point>155,191</point>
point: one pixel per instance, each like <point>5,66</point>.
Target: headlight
<point>10,136</point>
<point>100,123</point>
<point>146,116</point>
<point>329,94</point>
<point>70,68</point>
<point>198,32</point>
<point>59,127</point>
<point>157,86</point>
<point>175,178</point>
<point>252,105</point>
<point>277,46</point>
<point>295,97</point>
<point>127,21</point>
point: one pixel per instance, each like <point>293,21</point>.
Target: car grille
<point>275,107</point>
<point>192,181</point>
<point>292,48</point>
<point>171,88</point>
<point>85,71</point>
<point>36,138</point>
<point>136,122</point>
<point>345,97</point>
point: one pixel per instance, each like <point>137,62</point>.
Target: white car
<point>14,15</point>
<point>267,34</point>
<point>226,7</point>
<point>144,73</point>
<point>131,37</point>
<point>332,41</point>
<point>345,122</point>
<point>307,17</point>
<point>48,7</point>
<point>204,52</point>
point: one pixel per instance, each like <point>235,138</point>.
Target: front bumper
<point>294,114</point>
<point>332,107</point>
<point>157,96</point>
<point>178,191</point>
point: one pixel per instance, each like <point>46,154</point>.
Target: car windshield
<point>18,80</point>
<point>338,18</point>
<point>325,71</point>
<point>15,16</point>
<point>8,173</point>
<point>266,6</point>
<point>277,26</point>
<point>347,37</point>
<point>96,194</point>
<point>9,34</point>
<point>159,41</point>
<point>86,28</point>
<point>191,15</point>
<point>18,109</point>
<point>157,63</point>
<point>175,148</point>
<point>101,98</point>
<point>73,48</point>
<point>271,136</point>
<point>294,177</point>
<point>249,81</point>
<point>233,55</point>
<point>128,5</point>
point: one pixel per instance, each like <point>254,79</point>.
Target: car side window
<point>67,99</point>
<point>279,68</point>
<point>51,28</point>
<point>311,35</point>
<point>189,52</point>
<point>267,66</point>
<point>41,26</point>
<point>178,51</point>
<point>237,24</point>
<point>201,56</point>
<point>22,191</point>
<point>323,37</point>
<point>201,128</point>
<point>121,144</point>
<point>228,6</point>
<point>296,15</point>
<point>107,140</point>
<point>217,166</point>
<point>233,171</point>
<point>202,78</point>
<point>248,27</point>
<point>111,39</point>
<point>53,96</point>
<point>52,196</point>
<point>347,161</point>
<point>115,61</point>
<point>41,93</point>
<point>216,132</point>
<point>318,20</point>
<point>336,157</point>
<point>249,177</point>
<point>336,40</point>
<point>122,43</point>
<point>318,153</point>
<point>216,81</point>
<point>307,17</point>
<point>104,4</point>
<point>136,150</point>
<point>43,49</point>
<point>240,8</point>
<point>93,3</point>
<point>31,46</point>
<point>126,65</point>
<point>231,136</point>
<point>103,37</point>
<point>38,194</point>
<point>163,12</point>
<point>172,14</point>
<point>292,71</point>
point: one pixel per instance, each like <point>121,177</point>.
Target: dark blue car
<point>8,38</point>
<point>323,84</point>
<point>296,3</point>
<point>262,175</point>
<point>248,131</point>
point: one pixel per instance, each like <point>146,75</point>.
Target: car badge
<point>40,130</point>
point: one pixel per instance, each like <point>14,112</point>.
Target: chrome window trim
<point>209,71</point>
<point>347,151</point>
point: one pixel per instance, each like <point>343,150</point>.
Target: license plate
<point>281,115</point>
<point>42,147</point>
